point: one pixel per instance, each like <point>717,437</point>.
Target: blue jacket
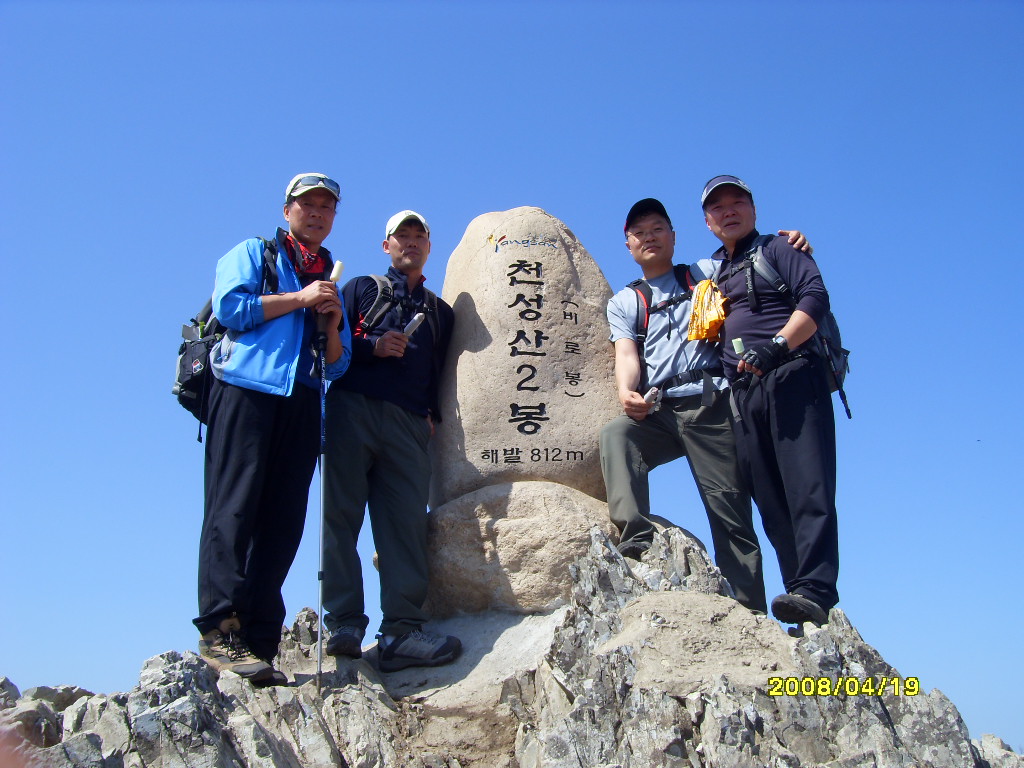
<point>259,354</point>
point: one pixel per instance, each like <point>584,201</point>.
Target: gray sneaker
<point>345,641</point>
<point>224,649</point>
<point>417,649</point>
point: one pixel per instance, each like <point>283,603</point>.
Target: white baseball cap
<point>400,218</point>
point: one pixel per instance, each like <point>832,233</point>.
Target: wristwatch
<point>781,341</point>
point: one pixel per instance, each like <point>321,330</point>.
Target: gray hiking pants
<point>703,434</point>
<point>376,457</point>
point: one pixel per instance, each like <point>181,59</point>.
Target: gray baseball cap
<point>720,181</point>
<point>304,182</point>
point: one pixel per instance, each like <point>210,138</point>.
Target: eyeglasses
<point>642,235</point>
<point>316,181</point>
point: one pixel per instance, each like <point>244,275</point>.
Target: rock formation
<point>574,657</point>
<point>646,665</point>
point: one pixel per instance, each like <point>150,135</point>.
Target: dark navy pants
<point>786,445</point>
<point>261,451</point>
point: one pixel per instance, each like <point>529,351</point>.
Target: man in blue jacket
<point>785,432</point>
<point>380,417</point>
<point>263,431</point>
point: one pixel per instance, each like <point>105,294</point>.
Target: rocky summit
<point>645,664</point>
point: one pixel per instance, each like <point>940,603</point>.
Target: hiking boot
<point>416,649</point>
<point>345,641</point>
<point>224,649</point>
<point>796,609</point>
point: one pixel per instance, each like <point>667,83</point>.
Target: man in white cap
<point>263,426</point>
<point>380,417</point>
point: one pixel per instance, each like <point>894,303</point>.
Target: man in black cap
<point>785,432</point>
<point>691,415</point>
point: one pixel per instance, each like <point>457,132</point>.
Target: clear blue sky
<point>140,141</point>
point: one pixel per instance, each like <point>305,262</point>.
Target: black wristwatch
<point>781,341</point>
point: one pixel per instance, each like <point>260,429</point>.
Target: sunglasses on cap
<point>316,181</point>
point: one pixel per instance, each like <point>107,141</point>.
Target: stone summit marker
<point>528,382</point>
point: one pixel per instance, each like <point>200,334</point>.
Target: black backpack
<point>827,338</point>
<point>193,373</point>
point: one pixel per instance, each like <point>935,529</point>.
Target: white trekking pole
<point>321,345</point>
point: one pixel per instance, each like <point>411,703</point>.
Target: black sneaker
<point>417,649</point>
<point>796,609</point>
<point>276,677</point>
<point>345,641</point>
<point>224,649</point>
<point>634,550</point>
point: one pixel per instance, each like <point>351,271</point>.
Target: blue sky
<point>140,141</point>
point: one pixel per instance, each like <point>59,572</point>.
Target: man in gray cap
<point>686,415</point>
<point>263,426</point>
<point>785,432</point>
<point>380,417</point>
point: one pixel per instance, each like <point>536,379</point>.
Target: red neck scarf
<point>304,260</point>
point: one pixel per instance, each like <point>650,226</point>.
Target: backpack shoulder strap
<point>381,304</point>
<point>433,319</point>
<point>685,278</point>
<point>268,283</point>
<point>764,268</point>
<point>754,260</point>
<point>644,297</point>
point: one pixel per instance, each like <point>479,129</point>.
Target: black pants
<point>786,445</point>
<point>261,451</point>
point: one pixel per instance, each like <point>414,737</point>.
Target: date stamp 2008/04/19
<point>843,686</point>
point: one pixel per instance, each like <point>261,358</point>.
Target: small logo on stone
<point>527,242</point>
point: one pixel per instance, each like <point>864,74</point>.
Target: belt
<point>692,376</point>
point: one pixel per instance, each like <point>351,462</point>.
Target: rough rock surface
<point>528,381</point>
<point>648,664</point>
<point>508,547</point>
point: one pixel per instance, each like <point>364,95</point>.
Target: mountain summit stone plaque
<point>528,384</point>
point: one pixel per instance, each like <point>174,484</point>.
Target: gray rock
<point>106,718</point>
<point>32,721</point>
<point>997,753</point>
<point>9,693</point>
<point>59,698</point>
<point>651,657</point>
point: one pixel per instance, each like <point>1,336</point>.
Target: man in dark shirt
<point>380,418</point>
<point>785,432</point>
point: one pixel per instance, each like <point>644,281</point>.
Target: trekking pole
<point>321,347</point>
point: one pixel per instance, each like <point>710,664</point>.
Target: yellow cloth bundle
<point>708,312</point>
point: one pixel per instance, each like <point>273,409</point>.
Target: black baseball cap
<point>644,207</point>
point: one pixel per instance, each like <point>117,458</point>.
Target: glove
<point>765,357</point>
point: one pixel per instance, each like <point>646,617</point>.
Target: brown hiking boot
<point>224,649</point>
